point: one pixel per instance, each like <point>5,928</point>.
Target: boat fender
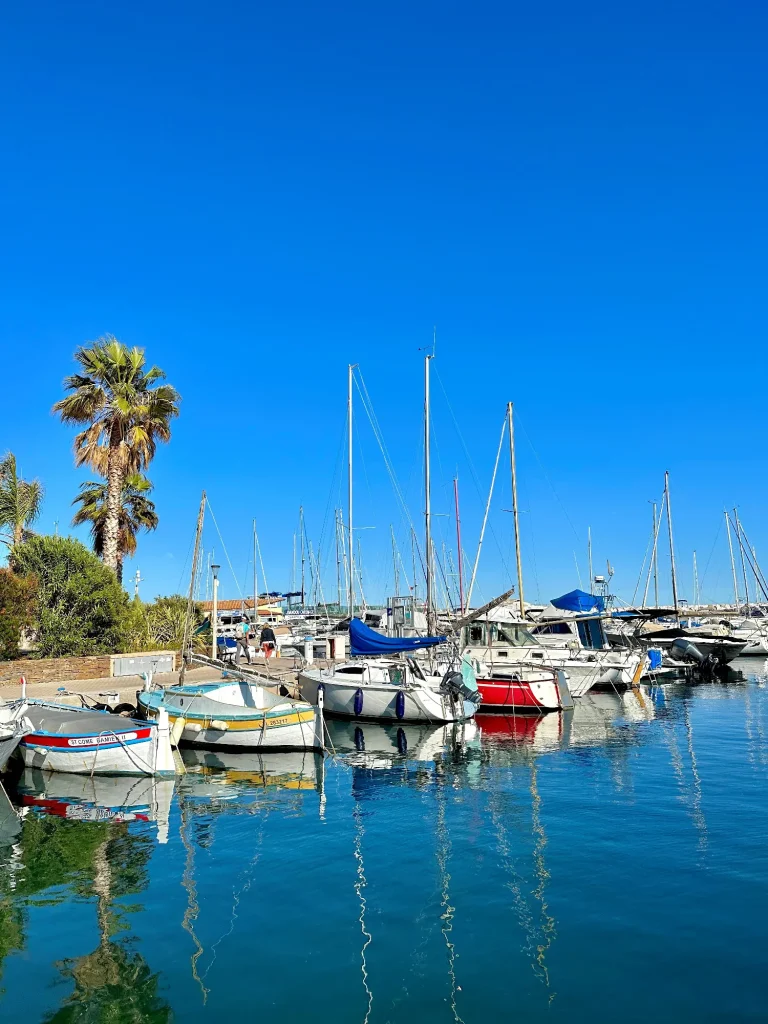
<point>219,725</point>
<point>359,739</point>
<point>402,742</point>
<point>178,728</point>
<point>358,701</point>
<point>193,728</point>
<point>400,705</point>
<point>320,691</point>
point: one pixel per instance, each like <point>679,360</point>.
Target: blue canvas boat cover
<point>578,601</point>
<point>364,640</point>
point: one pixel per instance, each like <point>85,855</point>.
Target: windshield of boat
<point>512,634</point>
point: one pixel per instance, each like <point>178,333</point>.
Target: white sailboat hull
<point>380,700</point>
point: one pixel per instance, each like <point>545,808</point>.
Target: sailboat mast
<point>191,595</point>
<point>695,581</point>
<point>458,544</point>
<point>671,547</point>
<point>589,557</point>
<point>338,562</point>
<point>655,561</point>
<point>733,562</point>
<point>302,539</point>
<point>394,560</point>
<point>427,500</point>
<point>743,563</point>
<point>255,589</point>
<point>350,368</point>
<point>515,516</point>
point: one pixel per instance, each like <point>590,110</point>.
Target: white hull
<point>606,668</point>
<point>235,716</point>
<point>85,742</point>
<point>380,700</point>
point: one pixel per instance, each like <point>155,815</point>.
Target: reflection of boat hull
<point>101,798</point>
<point>381,701</point>
<point>288,770</point>
<point>377,745</point>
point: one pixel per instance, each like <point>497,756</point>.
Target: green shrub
<point>17,598</point>
<point>80,607</point>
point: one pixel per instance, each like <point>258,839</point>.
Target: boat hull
<point>8,744</point>
<point>197,719</point>
<point>511,694</point>
<point>381,701</point>
<point>87,742</point>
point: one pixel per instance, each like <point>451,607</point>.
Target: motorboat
<point>695,645</point>
<point>561,641</point>
<point>234,713</point>
<point>84,741</point>
<point>14,726</point>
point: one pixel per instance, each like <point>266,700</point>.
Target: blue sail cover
<point>364,640</point>
<point>578,601</point>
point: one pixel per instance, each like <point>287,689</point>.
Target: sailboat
<point>381,685</point>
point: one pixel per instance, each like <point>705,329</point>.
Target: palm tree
<point>20,501</point>
<point>127,413</point>
<point>137,512</point>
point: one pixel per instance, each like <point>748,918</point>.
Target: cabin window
<point>513,634</point>
<point>476,634</point>
<point>553,629</point>
<point>591,634</point>
<point>351,670</point>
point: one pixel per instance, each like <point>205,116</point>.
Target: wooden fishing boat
<point>87,742</point>
<point>235,714</point>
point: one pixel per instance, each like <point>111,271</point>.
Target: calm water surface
<point>605,865</point>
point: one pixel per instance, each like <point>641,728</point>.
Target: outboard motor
<point>688,651</point>
<point>453,684</point>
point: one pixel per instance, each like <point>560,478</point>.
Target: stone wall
<point>59,670</point>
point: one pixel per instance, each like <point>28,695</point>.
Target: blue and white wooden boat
<point>235,714</point>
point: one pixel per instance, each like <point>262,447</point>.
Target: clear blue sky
<point>259,194</point>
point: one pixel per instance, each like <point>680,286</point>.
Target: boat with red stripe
<point>85,741</point>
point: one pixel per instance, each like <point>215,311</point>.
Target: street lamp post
<point>215,615</point>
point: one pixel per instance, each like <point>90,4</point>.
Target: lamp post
<point>215,615</point>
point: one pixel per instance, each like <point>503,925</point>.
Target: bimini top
<point>579,601</point>
<point>364,640</point>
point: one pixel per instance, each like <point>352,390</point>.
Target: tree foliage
<point>160,625</point>
<point>17,602</point>
<point>20,501</point>
<point>137,512</point>
<point>80,606</point>
<point>126,412</point>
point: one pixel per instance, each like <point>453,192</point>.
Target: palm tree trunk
<point>120,568</point>
<point>18,532</point>
<point>114,490</point>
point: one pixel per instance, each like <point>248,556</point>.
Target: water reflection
<point>461,823</point>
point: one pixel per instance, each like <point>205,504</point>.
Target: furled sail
<point>366,641</point>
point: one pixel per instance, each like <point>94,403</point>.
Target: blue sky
<point>260,194</point>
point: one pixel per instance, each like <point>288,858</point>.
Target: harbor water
<point>600,865</point>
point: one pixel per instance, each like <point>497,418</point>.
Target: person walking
<point>243,629</point>
<point>268,641</point>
